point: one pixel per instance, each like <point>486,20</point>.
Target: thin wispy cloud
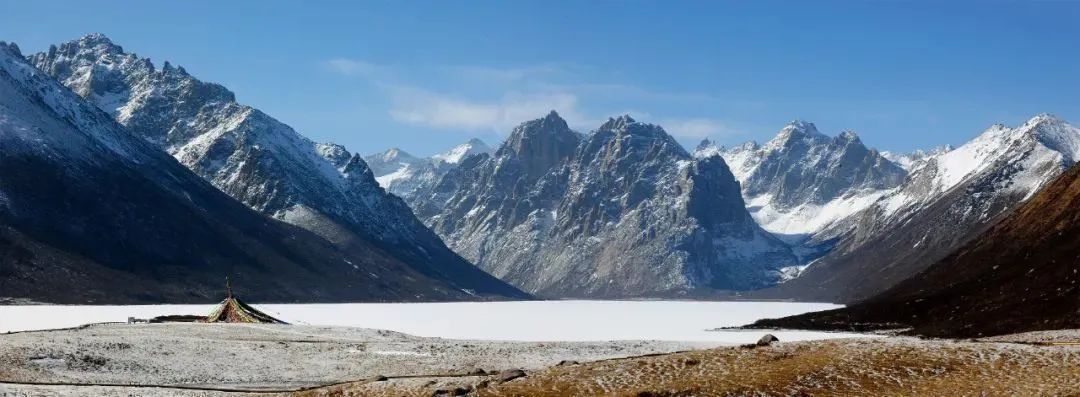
<point>416,106</point>
<point>354,67</point>
<point>697,128</point>
<point>518,75</point>
<point>520,94</point>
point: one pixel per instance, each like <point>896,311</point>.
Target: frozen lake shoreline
<point>527,321</point>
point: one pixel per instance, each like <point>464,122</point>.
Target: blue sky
<point>425,76</point>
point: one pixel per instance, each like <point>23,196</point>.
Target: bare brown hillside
<point>1023,274</point>
<point>882,367</point>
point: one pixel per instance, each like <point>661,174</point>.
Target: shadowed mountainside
<point>1020,275</point>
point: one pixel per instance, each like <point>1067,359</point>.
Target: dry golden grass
<point>884,367</point>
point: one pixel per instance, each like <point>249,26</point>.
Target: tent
<point>233,310</point>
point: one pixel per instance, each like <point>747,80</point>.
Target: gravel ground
<point>266,357</point>
<point>238,359</point>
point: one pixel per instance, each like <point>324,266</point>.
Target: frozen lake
<point>510,321</point>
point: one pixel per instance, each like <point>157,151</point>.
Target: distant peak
<point>618,123</point>
<point>551,122</point>
<point>1044,118</point>
<point>475,142</point>
<point>797,129</point>
<point>848,136</point>
<point>800,126</point>
<point>12,47</point>
<point>548,135</point>
<point>1043,123</point>
<point>705,144</point>
<point>458,153</point>
<point>552,119</point>
<point>98,40</point>
<point>750,145</point>
<point>96,37</point>
<point>394,153</point>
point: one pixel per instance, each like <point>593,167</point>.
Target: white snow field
<point>532,321</point>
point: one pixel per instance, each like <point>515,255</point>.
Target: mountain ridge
<point>255,158</point>
<point>622,211</point>
<point>407,176</point>
<point>1018,276</point>
<point>91,213</point>
<point>942,205</point>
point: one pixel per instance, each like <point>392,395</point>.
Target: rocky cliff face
<point>623,211</point>
<point>802,181</point>
<point>254,158</point>
<point>92,213</point>
<point>939,207</point>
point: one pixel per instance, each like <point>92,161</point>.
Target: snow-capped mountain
<point>255,158</point>
<point>940,206</point>
<point>92,213</point>
<point>1018,276</point>
<point>802,181</point>
<point>407,176</point>
<point>390,161</point>
<point>911,161</point>
<point>623,211</point>
<point>460,152</point>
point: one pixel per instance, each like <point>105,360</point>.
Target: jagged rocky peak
<point>798,129</point>
<point>849,136</point>
<point>1056,134</point>
<point>626,126</point>
<point>256,159</point>
<point>99,215</point>
<point>122,84</point>
<point>626,205</point>
<point>705,144</point>
<point>550,130</point>
<point>12,48</point>
<point>816,168</point>
<point>713,184</point>
<point>941,204</point>
<point>540,144</point>
<point>617,123</point>
<point>97,41</point>
<point>622,139</point>
<point>802,180</point>
<point>1045,117</point>
<point>335,153</point>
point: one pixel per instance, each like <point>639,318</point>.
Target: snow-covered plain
<point>537,321</point>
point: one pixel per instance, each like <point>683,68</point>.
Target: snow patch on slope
<point>460,152</point>
<point>918,158</point>
<point>803,181</point>
<point>808,218</point>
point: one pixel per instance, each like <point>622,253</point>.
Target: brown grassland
<point>881,367</point>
